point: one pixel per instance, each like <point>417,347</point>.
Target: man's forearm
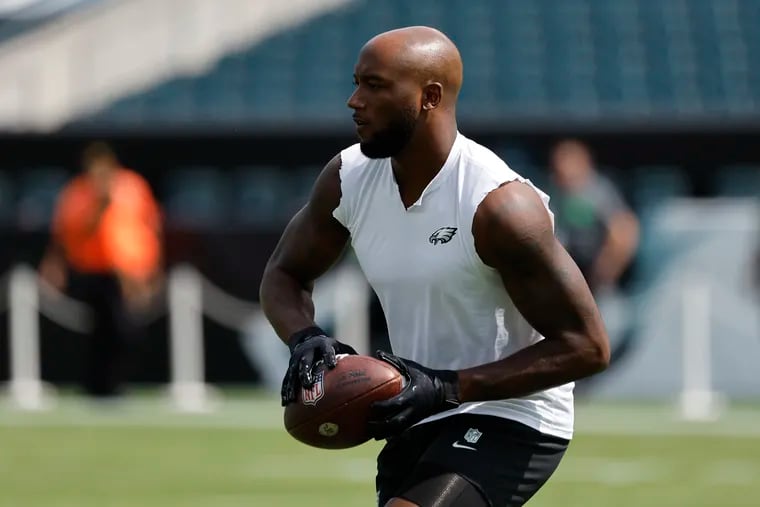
<point>286,303</point>
<point>546,364</point>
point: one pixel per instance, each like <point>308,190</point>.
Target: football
<point>333,413</point>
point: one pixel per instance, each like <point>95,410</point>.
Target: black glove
<point>426,392</point>
<point>309,348</point>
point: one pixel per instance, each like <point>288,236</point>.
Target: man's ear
<point>431,96</point>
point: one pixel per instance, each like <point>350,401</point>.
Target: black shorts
<point>506,460</point>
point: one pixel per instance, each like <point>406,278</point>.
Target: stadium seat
<point>37,193</point>
<point>579,57</point>
<point>652,185</point>
<point>195,196</point>
<point>268,196</point>
<point>256,195</point>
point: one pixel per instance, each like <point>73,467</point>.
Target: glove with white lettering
<point>309,348</point>
<point>427,392</point>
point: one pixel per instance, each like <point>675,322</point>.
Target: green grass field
<point>140,454</point>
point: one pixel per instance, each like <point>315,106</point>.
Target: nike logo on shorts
<point>457,445</point>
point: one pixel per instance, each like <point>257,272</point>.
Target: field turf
<point>141,454</point>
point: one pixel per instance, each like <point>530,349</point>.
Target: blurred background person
<point>600,232</point>
<point>105,250</point>
<point>593,221</point>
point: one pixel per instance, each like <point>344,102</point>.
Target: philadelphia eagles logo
<point>442,235</point>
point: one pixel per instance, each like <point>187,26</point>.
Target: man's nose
<point>353,101</point>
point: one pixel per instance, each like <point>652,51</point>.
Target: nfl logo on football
<point>312,395</point>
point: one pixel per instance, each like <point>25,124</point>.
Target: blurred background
<point>151,153</point>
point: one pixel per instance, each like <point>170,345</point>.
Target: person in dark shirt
<point>593,222</point>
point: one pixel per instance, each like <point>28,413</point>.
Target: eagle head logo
<point>442,235</point>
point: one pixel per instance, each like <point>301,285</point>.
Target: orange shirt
<point>125,239</point>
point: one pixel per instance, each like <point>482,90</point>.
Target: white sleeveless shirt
<point>444,307</point>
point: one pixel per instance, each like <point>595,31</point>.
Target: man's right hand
<point>309,348</point>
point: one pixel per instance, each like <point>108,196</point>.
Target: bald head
<point>423,53</point>
<point>407,82</point>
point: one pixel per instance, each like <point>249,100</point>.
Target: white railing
<point>25,385</point>
<point>190,297</point>
<point>188,386</point>
<point>698,400</point>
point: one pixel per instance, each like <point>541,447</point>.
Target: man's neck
<point>420,161</point>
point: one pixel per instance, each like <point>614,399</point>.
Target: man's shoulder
<point>352,157</point>
<point>483,159</point>
<point>484,169</point>
<point>513,197</point>
<point>354,165</point>
<point>352,150</point>
<point>510,216</point>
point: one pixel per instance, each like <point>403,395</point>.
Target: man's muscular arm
<point>310,244</point>
<point>513,234</point>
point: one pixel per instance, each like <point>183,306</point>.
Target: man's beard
<point>390,142</point>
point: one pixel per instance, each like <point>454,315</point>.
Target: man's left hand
<point>427,392</point>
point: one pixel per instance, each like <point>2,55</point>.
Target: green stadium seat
<point>268,196</point>
<point>195,196</point>
<point>581,57</point>
<point>257,193</point>
<point>653,185</point>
